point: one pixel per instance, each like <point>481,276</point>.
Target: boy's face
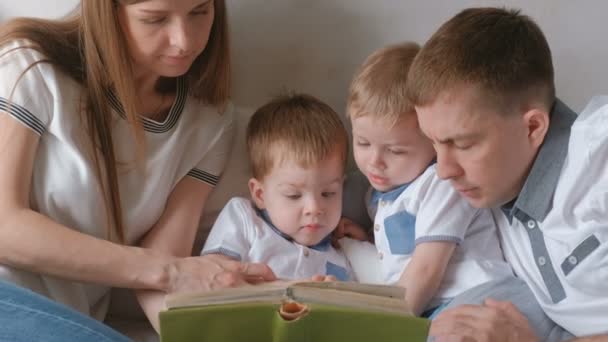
<point>485,154</point>
<point>304,203</point>
<point>390,155</point>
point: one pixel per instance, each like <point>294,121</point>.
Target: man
<point>484,93</point>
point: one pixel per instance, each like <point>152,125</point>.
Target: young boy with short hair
<point>297,148</point>
<point>429,239</point>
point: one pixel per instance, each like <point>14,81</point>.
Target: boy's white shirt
<point>242,234</point>
<point>440,214</point>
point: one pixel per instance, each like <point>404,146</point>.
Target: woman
<point>114,128</point>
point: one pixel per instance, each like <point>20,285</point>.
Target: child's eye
<point>396,152</point>
<point>362,143</point>
<point>293,196</point>
<point>328,194</point>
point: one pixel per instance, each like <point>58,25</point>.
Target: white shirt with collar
<point>245,233</point>
<point>193,141</point>
<point>429,209</point>
<point>555,234</point>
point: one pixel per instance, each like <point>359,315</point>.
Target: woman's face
<point>164,37</point>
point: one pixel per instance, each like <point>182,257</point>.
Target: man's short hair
<point>501,52</point>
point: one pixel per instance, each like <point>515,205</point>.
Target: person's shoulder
<point>593,117</point>
<point>20,48</point>
<point>588,133</point>
<point>23,54</point>
<point>240,204</point>
<point>238,213</point>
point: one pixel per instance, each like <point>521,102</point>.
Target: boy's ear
<point>257,193</point>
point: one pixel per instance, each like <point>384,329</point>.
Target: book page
<point>363,295</point>
<point>371,289</point>
<point>348,299</point>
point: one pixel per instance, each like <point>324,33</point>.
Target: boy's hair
<point>501,52</point>
<point>296,127</point>
<point>379,85</point>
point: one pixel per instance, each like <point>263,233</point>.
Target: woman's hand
<point>214,271</point>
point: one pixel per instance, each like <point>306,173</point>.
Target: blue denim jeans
<point>28,316</point>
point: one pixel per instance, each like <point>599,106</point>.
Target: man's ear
<point>257,193</point>
<point>537,121</point>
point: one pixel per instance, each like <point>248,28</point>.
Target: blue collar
<point>322,246</point>
<point>388,196</point>
<point>392,195</point>
<point>536,196</point>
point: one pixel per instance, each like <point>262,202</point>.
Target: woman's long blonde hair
<point>91,48</point>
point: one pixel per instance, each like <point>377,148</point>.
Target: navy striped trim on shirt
<point>174,113</point>
<point>204,176</point>
<point>23,115</point>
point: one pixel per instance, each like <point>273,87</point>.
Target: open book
<point>293,311</point>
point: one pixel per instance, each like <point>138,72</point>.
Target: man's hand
<point>492,322</point>
<point>348,228</point>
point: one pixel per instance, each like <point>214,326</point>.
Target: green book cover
<point>293,312</point>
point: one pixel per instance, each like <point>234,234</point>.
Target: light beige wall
<point>314,45</point>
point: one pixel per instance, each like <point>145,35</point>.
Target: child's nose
<point>313,207</point>
<point>377,161</point>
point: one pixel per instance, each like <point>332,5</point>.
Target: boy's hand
<point>348,228</point>
<point>322,277</point>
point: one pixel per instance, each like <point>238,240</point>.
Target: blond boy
<point>297,148</point>
<point>429,239</point>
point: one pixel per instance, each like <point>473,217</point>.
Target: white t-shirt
<point>194,140</point>
<point>555,235</point>
<point>429,209</point>
<point>246,234</point>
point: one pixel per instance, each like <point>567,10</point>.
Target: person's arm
<point>423,275</point>
<point>174,234</point>
<point>596,338</point>
<point>33,242</point>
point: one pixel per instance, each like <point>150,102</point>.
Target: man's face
<point>484,153</point>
